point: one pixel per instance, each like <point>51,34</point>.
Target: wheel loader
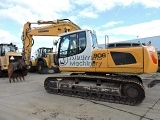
<point>8,54</point>
<point>110,74</point>
<point>43,62</point>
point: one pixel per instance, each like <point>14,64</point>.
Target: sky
<point>119,19</point>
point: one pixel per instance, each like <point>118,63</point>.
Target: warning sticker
<point>11,58</point>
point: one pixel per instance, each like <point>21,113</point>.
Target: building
<point>154,41</point>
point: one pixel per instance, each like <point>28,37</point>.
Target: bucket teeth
<point>17,71</point>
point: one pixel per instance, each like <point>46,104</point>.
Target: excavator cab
<point>7,48</point>
<point>43,51</point>
<point>75,49</point>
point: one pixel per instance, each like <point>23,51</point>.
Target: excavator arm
<point>45,28</point>
<point>51,28</point>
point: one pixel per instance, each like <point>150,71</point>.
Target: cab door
<point>73,52</point>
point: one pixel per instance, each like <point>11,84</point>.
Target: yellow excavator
<point>43,62</point>
<point>109,74</point>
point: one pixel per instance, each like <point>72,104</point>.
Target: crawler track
<point>121,89</point>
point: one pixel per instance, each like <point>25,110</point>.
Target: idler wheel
<point>134,92</point>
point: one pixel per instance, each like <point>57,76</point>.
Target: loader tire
<point>32,68</point>
<point>40,67</point>
<point>1,73</point>
<point>56,70</point>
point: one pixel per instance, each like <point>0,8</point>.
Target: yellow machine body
<point>8,54</point>
<point>43,61</point>
<point>146,61</point>
<point>127,58</point>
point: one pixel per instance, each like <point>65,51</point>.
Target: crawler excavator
<point>109,74</point>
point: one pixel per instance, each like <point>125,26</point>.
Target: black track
<point>126,81</point>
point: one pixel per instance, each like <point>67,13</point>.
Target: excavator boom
<point>44,28</point>
<point>51,28</point>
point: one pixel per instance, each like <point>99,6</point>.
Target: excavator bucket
<point>17,70</point>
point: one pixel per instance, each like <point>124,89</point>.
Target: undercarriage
<point>122,89</point>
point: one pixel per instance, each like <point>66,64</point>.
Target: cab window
<point>72,44</point>
<point>82,41</point>
<point>64,46</point>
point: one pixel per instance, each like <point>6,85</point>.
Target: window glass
<point>13,49</point>
<point>39,52</point>
<point>8,48</point>
<point>64,46</point>
<point>82,41</point>
<point>94,40</point>
<point>73,45</point>
<point>49,50</point>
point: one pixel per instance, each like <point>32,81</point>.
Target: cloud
<point>94,7</point>
<point>16,13</point>
<point>88,12</point>
<point>111,24</point>
<point>22,11</point>
<point>142,29</point>
<point>151,3</point>
<point>122,33</point>
<point>7,37</point>
<point>109,4</point>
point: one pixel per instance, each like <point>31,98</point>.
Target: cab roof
<point>63,34</point>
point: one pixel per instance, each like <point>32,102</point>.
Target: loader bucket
<point>17,70</point>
